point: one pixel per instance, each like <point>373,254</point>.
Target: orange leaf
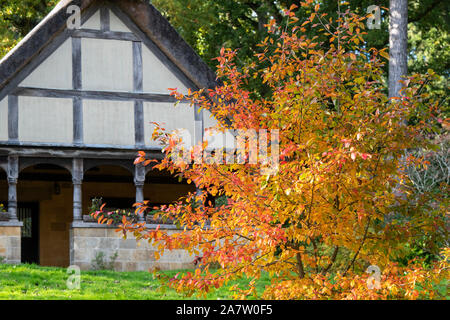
<point>384,54</point>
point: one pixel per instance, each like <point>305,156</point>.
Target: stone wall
<point>10,242</point>
<point>88,239</point>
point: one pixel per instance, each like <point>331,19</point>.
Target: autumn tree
<point>328,211</point>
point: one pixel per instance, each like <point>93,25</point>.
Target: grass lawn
<point>35,282</point>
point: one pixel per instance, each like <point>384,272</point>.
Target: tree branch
<point>359,249</point>
<point>333,258</point>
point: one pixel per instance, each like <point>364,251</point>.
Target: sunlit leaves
<point>341,145</point>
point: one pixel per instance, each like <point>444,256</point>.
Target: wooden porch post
<point>139,181</point>
<point>77,180</point>
<point>13,175</point>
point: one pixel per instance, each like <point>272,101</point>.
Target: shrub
<point>100,261</point>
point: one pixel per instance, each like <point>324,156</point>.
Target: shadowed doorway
<point>28,213</point>
<point>45,206</point>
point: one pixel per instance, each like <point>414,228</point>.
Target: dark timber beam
<point>105,35</point>
<point>138,88</point>
<point>77,85</point>
<point>162,56</point>
<point>13,118</point>
<point>98,95</point>
<point>85,151</point>
<point>65,177</point>
<point>77,121</point>
<point>105,19</point>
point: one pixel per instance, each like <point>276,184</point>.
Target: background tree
<point>18,17</point>
<point>210,25</point>
<point>398,45</point>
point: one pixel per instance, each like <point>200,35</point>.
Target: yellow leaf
<point>384,54</point>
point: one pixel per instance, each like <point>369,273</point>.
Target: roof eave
<point>143,14</point>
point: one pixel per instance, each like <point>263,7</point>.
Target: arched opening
<point>112,183</point>
<point>163,188</point>
<point>44,195</point>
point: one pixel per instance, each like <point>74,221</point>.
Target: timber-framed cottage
<point>75,107</point>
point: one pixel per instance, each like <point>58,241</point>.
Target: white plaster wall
<point>108,122</point>
<point>45,120</point>
<point>55,72</point>
<point>4,119</point>
<point>216,139</point>
<point>93,22</point>
<point>107,65</point>
<point>116,24</point>
<point>157,77</point>
<point>168,116</point>
<point>219,140</point>
<point>208,119</point>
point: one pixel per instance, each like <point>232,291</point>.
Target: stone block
<point>83,265</point>
<point>89,232</point>
<point>143,255</point>
<point>118,266</point>
<point>82,254</point>
<point>127,244</point>
<point>129,266</point>
<point>123,255</point>
<point>10,231</point>
<point>144,266</point>
<point>108,243</point>
<point>85,243</point>
<point>14,241</point>
<point>13,253</point>
<point>4,242</point>
<point>111,233</point>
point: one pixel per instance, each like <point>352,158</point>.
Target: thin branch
<point>359,249</point>
<point>333,259</point>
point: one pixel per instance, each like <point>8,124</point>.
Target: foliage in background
<point>18,17</point>
<point>433,172</point>
<point>335,195</point>
<point>4,215</point>
<point>429,178</point>
<point>209,25</point>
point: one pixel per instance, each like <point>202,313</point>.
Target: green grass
<point>48,283</point>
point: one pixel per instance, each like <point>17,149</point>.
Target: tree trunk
<point>398,45</point>
<point>300,269</point>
